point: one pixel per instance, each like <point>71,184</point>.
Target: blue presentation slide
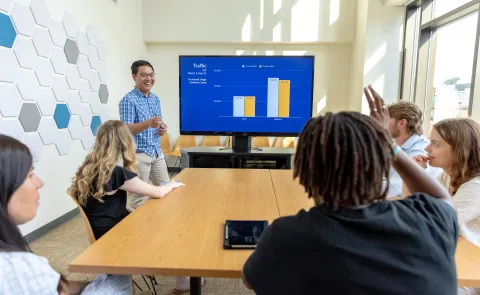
<point>245,94</point>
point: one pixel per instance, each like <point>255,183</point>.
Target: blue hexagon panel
<point>7,31</point>
<point>62,116</point>
<point>96,122</point>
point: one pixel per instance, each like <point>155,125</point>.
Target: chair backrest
<point>88,227</point>
<point>185,141</point>
<point>210,141</point>
<point>260,142</point>
<point>166,144</point>
<point>228,142</point>
<point>286,142</point>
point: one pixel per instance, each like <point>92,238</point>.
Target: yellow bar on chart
<point>249,106</point>
<point>284,98</point>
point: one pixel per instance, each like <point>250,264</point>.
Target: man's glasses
<point>152,75</point>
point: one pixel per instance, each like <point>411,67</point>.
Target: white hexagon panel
<point>25,52</point>
<point>93,58</point>
<point>94,80</point>
<point>23,19</point>
<point>82,43</point>
<point>12,127</point>
<point>5,5</point>
<point>64,142</point>
<point>84,90</point>
<point>95,103</point>
<point>86,114</point>
<point>44,72</point>
<point>103,72</point>
<point>87,138</point>
<point>92,35</point>
<point>9,69</point>
<point>57,32</point>
<point>74,103</point>
<point>72,77</point>
<point>42,41</point>
<point>46,101</point>
<point>102,50</point>
<point>60,88</point>
<point>75,127</point>
<point>34,143</point>
<point>27,85</point>
<point>70,25</point>
<point>59,61</point>
<point>83,66</point>
<point>105,113</point>
<point>10,100</point>
<point>48,130</point>
<point>40,12</point>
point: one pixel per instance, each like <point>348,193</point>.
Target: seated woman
<point>354,241</point>
<point>23,272</point>
<point>101,186</point>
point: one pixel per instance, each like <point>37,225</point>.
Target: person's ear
<point>403,123</point>
<point>134,76</point>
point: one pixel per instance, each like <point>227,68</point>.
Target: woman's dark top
<point>105,215</point>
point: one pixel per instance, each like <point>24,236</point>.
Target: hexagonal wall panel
<point>71,51</point>
<point>86,114</point>
<point>13,128</point>
<point>25,52</point>
<point>44,72</point>
<point>23,19</point>
<point>60,88</point>
<point>30,117</point>
<point>70,25</point>
<point>95,103</point>
<point>75,127</point>
<point>59,61</point>
<point>105,113</point>
<point>57,33</point>
<point>27,85</point>
<point>7,31</point>
<point>48,130</point>
<point>42,41</point>
<point>46,101</point>
<point>9,69</point>
<point>83,66</point>
<point>10,100</point>
<point>87,138</point>
<point>103,72</point>
<point>40,12</point>
<point>84,90</point>
<point>102,50</point>
<point>93,58</point>
<point>34,144</point>
<point>64,142</point>
<point>62,116</point>
<point>74,103</point>
<point>103,93</point>
<point>94,80</point>
<point>72,77</point>
<point>92,35</point>
<point>5,5</point>
<point>82,43</point>
<point>96,122</point>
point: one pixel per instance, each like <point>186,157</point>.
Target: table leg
<point>195,286</point>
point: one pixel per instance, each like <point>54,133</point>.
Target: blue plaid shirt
<point>135,107</point>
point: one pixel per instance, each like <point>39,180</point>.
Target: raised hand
<point>378,109</point>
<point>421,160</point>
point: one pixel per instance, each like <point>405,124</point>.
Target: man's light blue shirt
<point>134,108</point>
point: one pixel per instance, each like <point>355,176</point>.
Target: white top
<point>467,203</point>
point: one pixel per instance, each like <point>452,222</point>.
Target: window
<point>443,6</point>
<point>453,65</point>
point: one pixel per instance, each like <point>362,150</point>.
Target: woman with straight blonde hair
<point>101,186</point>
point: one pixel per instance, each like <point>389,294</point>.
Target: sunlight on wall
<point>277,33</point>
<point>375,58</point>
<point>294,52</point>
<point>269,52</point>
<point>277,5</point>
<point>239,52</point>
<point>334,11</point>
<point>305,17</point>
<point>262,12</point>
<point>247,29</point>
<point>322,104</point>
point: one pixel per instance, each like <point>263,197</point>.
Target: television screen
<point>248,95</point>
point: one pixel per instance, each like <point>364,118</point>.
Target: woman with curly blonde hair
<point>101,186</point>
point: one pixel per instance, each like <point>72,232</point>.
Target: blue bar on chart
<point>272,97</point>
<point>239,106</point>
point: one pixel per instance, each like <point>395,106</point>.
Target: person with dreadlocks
<point>354,241</point>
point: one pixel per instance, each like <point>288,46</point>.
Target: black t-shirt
<point>391,247</point>
<point>104,216</point>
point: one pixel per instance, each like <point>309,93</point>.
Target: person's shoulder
<point>24,262</point>
<point>130,96</point>
<point>470,188</point>
<point>428,207</point>
<point>293,223</point>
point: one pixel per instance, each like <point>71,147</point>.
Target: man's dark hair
<point>139,63</point>
<point>342,159</point>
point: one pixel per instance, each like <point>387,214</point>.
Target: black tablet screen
<point>245,232</point>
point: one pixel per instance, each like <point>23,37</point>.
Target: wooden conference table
<point>182,234</point>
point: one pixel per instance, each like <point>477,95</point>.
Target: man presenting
<point>140,110</point>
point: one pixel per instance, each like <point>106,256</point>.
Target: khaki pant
<point>149,168</point>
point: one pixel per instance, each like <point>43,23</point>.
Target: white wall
<point>121,30</point>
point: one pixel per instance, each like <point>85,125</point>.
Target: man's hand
<point>163,129</point>
<point>421,160</point>
<point>154,122</point>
